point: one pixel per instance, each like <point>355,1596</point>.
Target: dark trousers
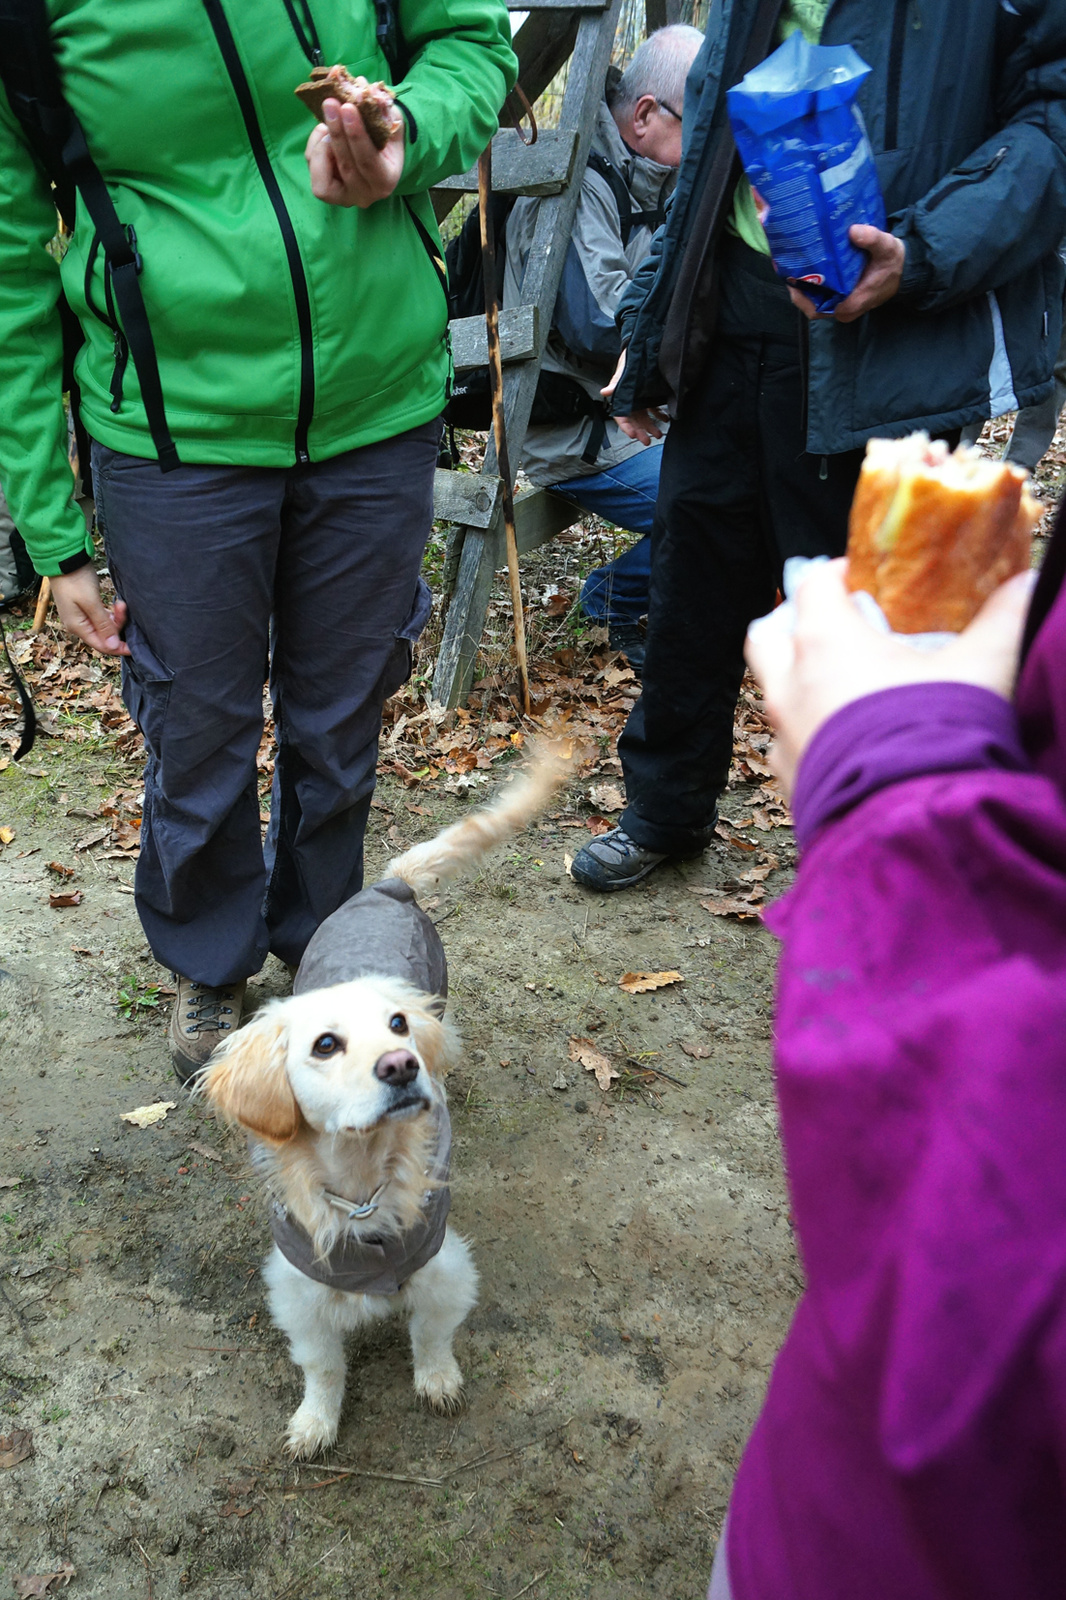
<point>738,494</point>
<point>317,567</point>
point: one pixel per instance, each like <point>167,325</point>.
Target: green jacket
<point>255,369</point>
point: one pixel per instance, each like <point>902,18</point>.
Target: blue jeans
<point>625,495</point>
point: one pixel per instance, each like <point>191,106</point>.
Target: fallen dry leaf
<point>731,908</point>
<point>15,1447</point>
<point>597,824</point>
<point>60,870</point>
<point>756,874</point>
<point>692,1047</point>
<point>204,1150</point>
<point>593,1060</point>
<point>641,982</point>
<point>10,1183</point>
<point>770,817</point>
<point>568,862</point>
<point>39,1583</point>
<point>94,838</point>
<point>59,902</point>
<point>725,831</point>
<point>145,1116</point>
<point>607,797</point>
<point>6,835</point>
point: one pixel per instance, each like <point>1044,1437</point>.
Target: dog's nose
<point>396,1068</point>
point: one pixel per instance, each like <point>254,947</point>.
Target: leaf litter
<point>593,1060</point>
<point>27,1585</point>
<point>15,1446</point>
<point>147,1116</point>
<point>643,982</point>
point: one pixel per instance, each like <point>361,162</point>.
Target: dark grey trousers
<point>317,568</point>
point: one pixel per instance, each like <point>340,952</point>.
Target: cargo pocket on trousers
<point>146,684</point>
<point>402,658</point>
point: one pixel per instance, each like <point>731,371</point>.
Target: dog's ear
<point>435,1036</point>
<point>247,1083</point>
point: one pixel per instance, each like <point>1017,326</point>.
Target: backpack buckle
<point>131,240</point>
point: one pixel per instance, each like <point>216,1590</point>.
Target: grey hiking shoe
<point>202,1018</point>
<point>613,861</point>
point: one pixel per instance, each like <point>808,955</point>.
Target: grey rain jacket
<point>966,112</point>
<point>583,343</point>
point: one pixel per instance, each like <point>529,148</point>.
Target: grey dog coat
<point>380,931</point>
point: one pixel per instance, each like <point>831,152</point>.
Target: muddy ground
<point>637,1262</point>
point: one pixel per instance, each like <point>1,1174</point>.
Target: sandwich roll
<point>375,102</point>
<point>932,533</point>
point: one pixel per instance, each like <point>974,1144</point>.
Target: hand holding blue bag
<point>804,147</point>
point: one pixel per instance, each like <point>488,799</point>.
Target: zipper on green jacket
<point>305,31</point>
<point>228,46</point>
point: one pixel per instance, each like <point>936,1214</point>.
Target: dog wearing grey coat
<point>340,1090</point>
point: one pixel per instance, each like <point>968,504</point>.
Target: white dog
<point>340,1090</point>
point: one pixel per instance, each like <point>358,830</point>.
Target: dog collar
<point>356,1210</point>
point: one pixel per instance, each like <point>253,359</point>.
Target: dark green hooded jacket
<point>966,112</point>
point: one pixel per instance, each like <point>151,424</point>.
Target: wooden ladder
<point>552,167</point>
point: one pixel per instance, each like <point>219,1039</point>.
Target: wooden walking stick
<point>44,594</point>
<point>492,324</point>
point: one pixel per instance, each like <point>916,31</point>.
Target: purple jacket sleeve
<point>921,1065</point>
<point>897,734</point>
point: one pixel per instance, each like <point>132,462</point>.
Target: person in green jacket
<point>300,325</point>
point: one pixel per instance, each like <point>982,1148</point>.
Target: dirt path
<point>635,1251</point>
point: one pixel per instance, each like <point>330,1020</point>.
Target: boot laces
<point>618,841</point>
<point>207,1007</point>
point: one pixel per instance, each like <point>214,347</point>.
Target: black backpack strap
<point>628,219</point>
<point>619,188</point>
<point>29,716</point>
<point>390,38</point>
<point>124,263</point>
<point>29,75</point>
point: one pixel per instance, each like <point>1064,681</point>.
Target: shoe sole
<point>620,883</point>
<point>185,1070</point>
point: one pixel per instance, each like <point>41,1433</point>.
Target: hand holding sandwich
<point>347,167</point>
<point>836,656</point>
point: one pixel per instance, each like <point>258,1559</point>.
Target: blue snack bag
<point>803,143</point>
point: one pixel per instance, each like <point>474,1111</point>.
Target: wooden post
<point>499,428</point>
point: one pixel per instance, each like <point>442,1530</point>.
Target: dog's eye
<point>327,1044</point>
<point>398,1023</point>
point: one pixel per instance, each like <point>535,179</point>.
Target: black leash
<point>29,715</point>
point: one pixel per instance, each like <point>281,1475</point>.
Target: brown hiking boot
<point>202,1018</point>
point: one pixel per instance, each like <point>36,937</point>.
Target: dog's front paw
<point>441,1385</point>
<point>309,1432</point>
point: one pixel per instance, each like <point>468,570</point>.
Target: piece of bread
<point>932,533</point>
<point>374,101</point>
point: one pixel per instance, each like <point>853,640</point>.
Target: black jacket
<point>966,112</point>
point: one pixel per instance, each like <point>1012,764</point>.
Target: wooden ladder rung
<point>517,168</point>
<point>470,498</point>
<point>518,338</point>
<point>557,5</point>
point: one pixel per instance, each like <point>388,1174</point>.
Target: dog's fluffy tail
<point>464,843</point>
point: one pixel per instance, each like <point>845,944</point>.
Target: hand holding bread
<point>356,152</point>
<point>375,102</point>
<point>941,541</point>
<point>933,533</point>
